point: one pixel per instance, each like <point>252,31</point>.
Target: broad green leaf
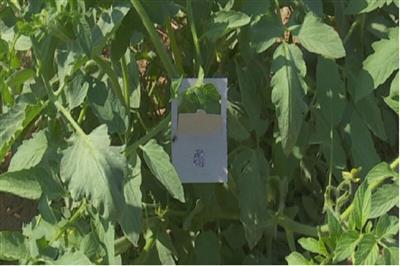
<point>207,249</point>
<point>160,165</point>
<point>345,245</point>
<point>131,219</point>
<point>372,116</point>
<point>165,249</point>
<point>265,32</point>
<point>10,123</point>
<point>84,36</point>
<point>133,80</point>
<point>73,258</point>
<point>314,6</point>
<point>379,65</point>
<point>68,60</point>
<point>364,6</point>
<point>106,232</point>
<point>367,250</point>
<point>386,226</point>
<point>248,92</point>
<point>362,146</point>
<point>19,77</point>
<point>107,107</point>
<point>331,94</point>
<point>361,206</point>
<point>76,92</point>
<point>288,91</point>
<point>236,129</point>
<point>393,99</point>
<point>335,229</point>
<point>254,8</point>
<point>313,245</point>
<point>90,245</point>
<point>252,200</point>
<point>23,43</point>
<point>108,22</point>
<point>379,173</point>
<point>12,247</point>
<point>94,169</point>
<point>319,38</point>
<point>384,199</point>
<point>22,183</point>
<point>30,153</point>
<point>295,258</point>
<point>391,255</point>
<point>224,21</point>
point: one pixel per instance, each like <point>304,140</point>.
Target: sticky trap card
<point>199,141</point>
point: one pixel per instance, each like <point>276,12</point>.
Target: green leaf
<point>22,183</point>
<point>378,66</point>
<point>379,173</point>
<point>363,6</point>
<point>30,153</point>
<point>367,250</point>
<point>393,99</point>
<point>361,206</point>
<point>288,91</point>
<point>345,245</point>
<point>73,258</point>
<point>160,165</point>
<point>335,229</point>
<point>131,219</point>
<point>386,226</point>
<point>108,22</point>
<point>224,21</point>
<point>12,247</point>
<point>84,36</point>
<point>362,145</point>
<point>165,249</point>
<point>107,107</point>
<point>391,256</point>
<point>10,123</point>
<point>95,170</point>
<point>19,77</point>
<point>254,8</point>
<point>384,199</point>
<point>371,114</point>
<point>313,245</point>
<point>23,43</point>
<point>264,32</point>
<point>252,200</point>
<point>331,94</point>
<point>133,80</point>
<point>295,258</point>
<point>76,92</point>
<point>207,249</point>
<point>320,38</point>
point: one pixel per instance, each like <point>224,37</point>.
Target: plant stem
<point>194,34</point>
<point>70,119</point>
<point>162,125</point>
<point>297,227</point>
<point>148,24</point>
<point>174,48</point>
<point>105,66</point>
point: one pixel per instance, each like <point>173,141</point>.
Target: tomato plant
<point>312,130</point>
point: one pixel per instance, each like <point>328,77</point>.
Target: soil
<point>15,212</point>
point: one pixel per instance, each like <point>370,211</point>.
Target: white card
<point>199,140</point>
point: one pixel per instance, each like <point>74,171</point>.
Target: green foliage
<point>85,117</point>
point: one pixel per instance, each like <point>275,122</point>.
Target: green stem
<point>126,81</point>
<point>194,33</point>
<point>296,227</point>
<point>70,119</point>
<point>148,24</point>
<point>174,48</point>
<point>162,125</point>
<point>105,66</point>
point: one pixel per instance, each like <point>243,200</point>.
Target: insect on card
<point>199,138</point>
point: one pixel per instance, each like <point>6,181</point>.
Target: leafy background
<point>313,131</point>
